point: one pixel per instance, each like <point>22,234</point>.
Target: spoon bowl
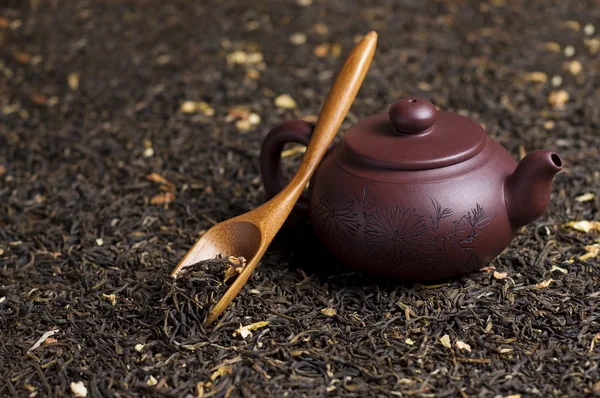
<point>235,238</point>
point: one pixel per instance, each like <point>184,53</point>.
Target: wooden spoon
<point>248,235</point>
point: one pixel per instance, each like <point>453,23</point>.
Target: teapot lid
<point>413,135</point>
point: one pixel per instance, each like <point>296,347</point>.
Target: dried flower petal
<point>73,81</point>
<point>112,298</point>
<point>50,340</point>
<point>328,311</point>
<point>322,50</point>
<point>595,339</point>
<point>557,99</point>
<point>500,275</point>
<point>593,45</point>
<point>163,198</point>
<point>585,197</point>
<point>462,346</point>
<point>583,226</point>
<point>155,177</point>
<point>555,268</point>
<point>22,57</point>
<point>537,77</point>
<point>298,38</point>
<point>573,25</point>
<point>42,339</point>
<point>575,67</point>
<point>544,284</point>
<point>223,370</point>
<point>552,46</point>
<point>188,107</point>
<point>245,331</point>
<point>592,252</point>
<point>285,101</point>
<point>445,340</point>
<point>234,267</point>
<point>78,389</point>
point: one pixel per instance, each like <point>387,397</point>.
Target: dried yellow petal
<point>583,226</point>
<point>575,67</point>
<point>298,38</point>
<point>595,339</point>
<point>155,177</point>
<point>112,298</point>
<point>544,284</point>
<point>585,197</point>
<point>573,25</point>
<point>445,340</point>
<point>245,331</point>
<point>552,46</point>
<point>223,370</point>
<point>73,81</point>
<point>500,275</point>
<point>285,101</point>
<point>322,50</point>
<point>462,346</point>
<point>592,251</point>
<point>188,107</point>
<point>557,99</point>
<point>78,389</point>
<point>537,77</point>
<point>593,45</point>
<point>328,311</point>
<point>162,198</point>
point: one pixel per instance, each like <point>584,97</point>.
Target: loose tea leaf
<point>195,290</point>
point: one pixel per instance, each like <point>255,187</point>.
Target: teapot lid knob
<point>412,115</point>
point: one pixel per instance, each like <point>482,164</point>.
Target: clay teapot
<point>415,193</point>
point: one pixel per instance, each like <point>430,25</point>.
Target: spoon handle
<point>334,110</point>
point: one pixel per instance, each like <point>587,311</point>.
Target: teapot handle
<point>296,131</point>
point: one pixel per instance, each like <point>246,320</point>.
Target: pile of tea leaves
<point>128,129</point>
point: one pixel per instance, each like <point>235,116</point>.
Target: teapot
<point>415,193</point>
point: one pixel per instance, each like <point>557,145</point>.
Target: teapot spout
<point>528,188</point>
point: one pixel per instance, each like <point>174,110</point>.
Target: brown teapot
<point>415,193</point>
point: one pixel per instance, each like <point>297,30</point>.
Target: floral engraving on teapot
<point>439,214</point>
<point>335,213</point>
<point>467,228</point>
<point>398,236</point>
<point>365,202</point>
